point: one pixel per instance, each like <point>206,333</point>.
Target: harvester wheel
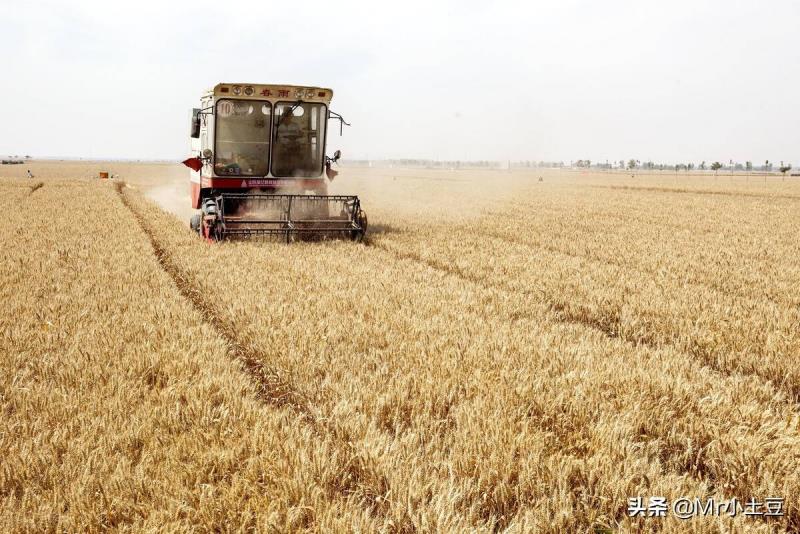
<point>195,222</point>
<point>361,220</point>
<point>209,231</point>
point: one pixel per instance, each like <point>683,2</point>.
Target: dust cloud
<point>173,198</point>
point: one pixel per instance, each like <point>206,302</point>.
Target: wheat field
<point>504,353</point>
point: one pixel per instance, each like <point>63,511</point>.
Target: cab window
<point>242,132</point>
<point>299,139</point>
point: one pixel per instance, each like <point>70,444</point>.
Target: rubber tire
<point>195,222</point>
<point>362,221</point>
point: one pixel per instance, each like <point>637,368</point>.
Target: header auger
<point>260,169</point>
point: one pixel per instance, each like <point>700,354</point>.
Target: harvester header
<point>260,168</point>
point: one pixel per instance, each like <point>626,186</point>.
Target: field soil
<point>507,351</point>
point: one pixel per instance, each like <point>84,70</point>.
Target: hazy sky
<point>556,80</point>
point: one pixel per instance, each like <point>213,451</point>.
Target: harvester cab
<point>259,166</point>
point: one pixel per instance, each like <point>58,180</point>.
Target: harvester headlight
<point>299,94</point>
<point>237,90</point>
<point>309,93</point>
<point>249,91</point>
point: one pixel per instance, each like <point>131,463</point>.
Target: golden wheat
<point>524,358</point>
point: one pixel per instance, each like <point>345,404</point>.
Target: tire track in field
<point>699,472</point>
<point>608,322</point>
<point>357,473</point>
<point>655,338</point>
<point>607,325</point>
<point>678,459</point>
<point>698,464</point>
<point>254,362</point>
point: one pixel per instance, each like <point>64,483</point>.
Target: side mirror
<point>194,130</point>
<point>337,155</point>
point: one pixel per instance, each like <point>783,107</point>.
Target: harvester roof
<point>271,92</point>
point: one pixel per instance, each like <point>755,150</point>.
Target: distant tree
<point>716,166</point>
<point>690,167</point>
<point>748,165</point>
<point>767,166</point>
<point>622,164</point>
<point>785,168</point>
<point>702,166</point>
<point>631,163</point>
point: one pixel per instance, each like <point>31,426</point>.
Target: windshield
<point>242,137</point>
<point>298,148</point>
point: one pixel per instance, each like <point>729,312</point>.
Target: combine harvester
<point>260,168</point>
